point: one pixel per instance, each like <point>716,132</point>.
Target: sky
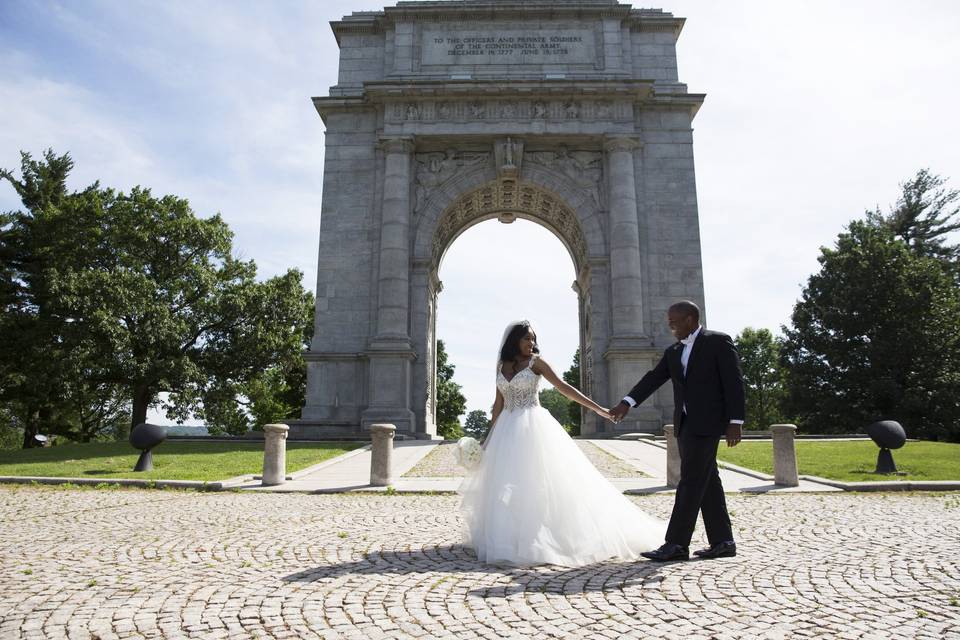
<point>816,110</point>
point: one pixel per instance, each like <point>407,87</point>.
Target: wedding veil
<point>506,334</point>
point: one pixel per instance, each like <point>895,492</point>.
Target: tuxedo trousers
<point>699,491</point>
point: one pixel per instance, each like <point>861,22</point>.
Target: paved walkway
<point>126,564</point>
<point>351,472</point>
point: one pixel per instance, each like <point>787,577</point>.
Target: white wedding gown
<point>536,499</point>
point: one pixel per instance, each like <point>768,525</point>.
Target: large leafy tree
<point>477,424</point>
<point>132,294</point>
<point>451,403</point>
<point>876,334</point>
<point>762,375</point>
<point>877,330</point>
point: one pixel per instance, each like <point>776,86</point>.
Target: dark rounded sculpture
<point>888,434</point>
<point>145,437</point>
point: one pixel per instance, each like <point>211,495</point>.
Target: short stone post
<point>784,455</point>
<point>381,463</point>
<point>274,454</point>
<point>673,456</point>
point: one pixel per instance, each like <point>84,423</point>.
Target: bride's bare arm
<point>497,409</point>
<point>542,368</point>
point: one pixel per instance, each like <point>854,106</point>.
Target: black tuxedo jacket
<point>712,390</point>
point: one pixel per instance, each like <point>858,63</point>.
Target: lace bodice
<point>520,392</point>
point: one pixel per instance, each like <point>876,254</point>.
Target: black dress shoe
<point>668,552</point>
<point>719,550</point>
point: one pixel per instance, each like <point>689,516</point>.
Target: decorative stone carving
<point>508,156</point>
<point>510,197</point>
<point>520,109</point>
<point>584,169</point>
<point>433,169</point>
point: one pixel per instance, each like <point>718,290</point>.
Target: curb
<point>124,482</point>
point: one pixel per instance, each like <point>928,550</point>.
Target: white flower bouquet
<point>467,452</point>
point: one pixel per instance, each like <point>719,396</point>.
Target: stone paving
<point>440,463</point>
<point>176,564</point>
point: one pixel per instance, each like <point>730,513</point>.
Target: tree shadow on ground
<point>552,579</point>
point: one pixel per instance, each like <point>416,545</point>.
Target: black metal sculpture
<point>887,434</point>
<point>145,437</point>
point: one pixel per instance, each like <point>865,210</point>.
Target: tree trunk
<point>142,395</point>
<point>31,428</point>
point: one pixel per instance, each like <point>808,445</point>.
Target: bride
<point>534,498</point>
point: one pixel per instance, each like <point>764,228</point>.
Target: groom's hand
<point>619,411</point>
<point>734,434</point>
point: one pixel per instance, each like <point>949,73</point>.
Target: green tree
<point>558,406</point>
<point>923,217</point>
<point>477,424</point>
<point>451,403</point>
<point>572,377</point>
<point>135,293</point>
<point>762,374</point>
<point>876,334</point>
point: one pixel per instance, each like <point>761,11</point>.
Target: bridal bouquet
<point>467,452</point>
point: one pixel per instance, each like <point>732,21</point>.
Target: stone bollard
<point>274,454</point>
<point>673,456</point>
<point>381,462</point>
<point>784,455</point>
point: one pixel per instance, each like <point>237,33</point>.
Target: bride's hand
<point>603,413</point>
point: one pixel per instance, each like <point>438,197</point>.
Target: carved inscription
<point>498,46</point>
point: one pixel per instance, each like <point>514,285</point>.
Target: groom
<point>708,401</point>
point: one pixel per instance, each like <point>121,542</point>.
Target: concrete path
<point>351,472</point>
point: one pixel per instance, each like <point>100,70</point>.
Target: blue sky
<point>815,111</point>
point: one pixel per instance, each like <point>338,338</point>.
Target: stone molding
<point>524,110</point>
<point>621,143</point>
<point>397,144</point>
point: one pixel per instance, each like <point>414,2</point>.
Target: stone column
<point>673,456</point>
<point>381,462</point>
<point>274,454</point>
<point>394,279</point>
<point>784,455</point>
<point>625,266</point>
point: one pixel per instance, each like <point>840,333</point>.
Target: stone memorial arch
<point>566,113</point>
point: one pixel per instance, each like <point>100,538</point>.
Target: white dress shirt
<point>684,359</point>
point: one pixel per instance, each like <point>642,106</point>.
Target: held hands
<point>618,412</point>
<point>603,413</point>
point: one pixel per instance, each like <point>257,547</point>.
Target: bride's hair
<point>511,346</point>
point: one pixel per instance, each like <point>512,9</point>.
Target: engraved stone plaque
<point>504,46</point>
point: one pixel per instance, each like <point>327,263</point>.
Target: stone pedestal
<point>673,456</point>
<point>381,463</point>
<point>274,454</point>
<point>784,455</point>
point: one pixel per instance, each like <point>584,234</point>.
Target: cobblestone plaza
<point>173,564</point>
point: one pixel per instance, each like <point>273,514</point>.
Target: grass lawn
<point>204,461</point>
<point>853,461</point>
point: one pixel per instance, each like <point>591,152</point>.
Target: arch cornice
<point>542,195</point>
